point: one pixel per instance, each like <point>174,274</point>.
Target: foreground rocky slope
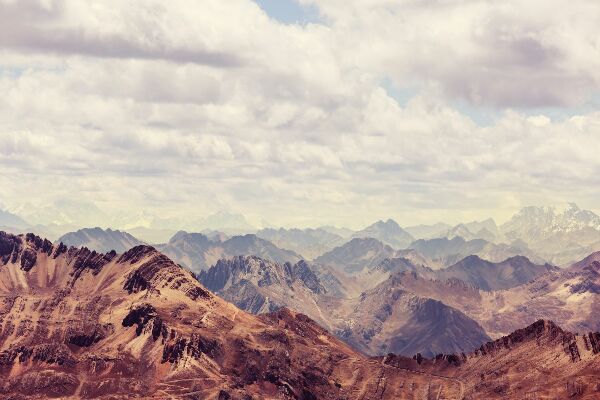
<point>79,324</point>
<point>541,361</point>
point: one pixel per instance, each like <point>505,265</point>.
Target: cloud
<point>507,54</point>
<point>299,130</point>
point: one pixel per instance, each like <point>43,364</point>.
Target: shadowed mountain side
<point>388,319</point>
<point>571,297</point>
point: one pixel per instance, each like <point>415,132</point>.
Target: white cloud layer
<point>191,107</point>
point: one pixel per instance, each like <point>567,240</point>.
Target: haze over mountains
<point>559,235</point>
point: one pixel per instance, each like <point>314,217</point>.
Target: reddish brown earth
<point>78,324</point>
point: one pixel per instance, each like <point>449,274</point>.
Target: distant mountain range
<point>10,220</point>
<point>569,296</point>
<point>197,252</point>
<point>310,243</point>
<point>388,232</point>
<point>449,251</point>
<point>357,254</point>
<point>559,234</point>
<point>100,240</point>
<point>489,276</point>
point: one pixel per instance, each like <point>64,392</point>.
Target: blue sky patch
<point>289,11</point>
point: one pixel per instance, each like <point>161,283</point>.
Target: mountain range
<point>197,252</point>
<point>83,324</point>
<point>356,254</point>
<point>373,311</point>
<point>559,235</point>
<point>76,323</point>
<point>388,232</point>
<point>449,251</point>
<point>311,243</point>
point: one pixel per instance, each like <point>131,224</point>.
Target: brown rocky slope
<point>541,361</point>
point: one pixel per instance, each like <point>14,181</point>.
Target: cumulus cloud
<point>505,54</point>
<point>184,109</point>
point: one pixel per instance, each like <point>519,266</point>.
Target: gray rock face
<point>261,273</point>
<point>258,286</point>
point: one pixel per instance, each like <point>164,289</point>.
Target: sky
<point>299,113</point>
